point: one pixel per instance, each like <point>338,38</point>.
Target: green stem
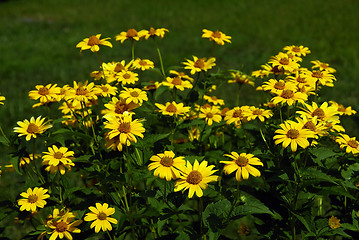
<point>3,134</point>
<point>133,49</point>
<point>203,235</point>
<point>109,235</point>
<point>160,58</point>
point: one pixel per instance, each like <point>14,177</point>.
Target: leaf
<point>159,91</point>
<point>304,222</point>
<point>312,175</point>
<point>321,154</point>
<point>347,174</point>
<point>151,139</point>
<point>215,213</point>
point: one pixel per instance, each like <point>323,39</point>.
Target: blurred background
<point>38,39</point>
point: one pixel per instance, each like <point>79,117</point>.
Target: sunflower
<point>57,159</point>
<point>143,64</point>
<point>106,90</point>
<point>32,199</point>
<point>242,164</point>
<point>199,64</point>
<point>322,66</point>
<point>172,108</point>
<point>350,144</point>
<point>31,128</point>
<point>300,80</point>
<point>100,215</point>
<point>241,78</point>
<point>166,165</point>
<point>297,50</point>
<point>289,97</point>
<point>45,94</point>
<point>135,95</point>
<point>124,129</point>
<point>293,133</point>
<point>177,82</point>
<point>323,113</point>
<point>259,113</point>
<point>131,34</point>
<point>152,32</point>
<point>195,178</point>
<point>216,36</point>
<point>63,225</point>
<point>210,114</point>
<point>343,110</point>
<point>93,43</point>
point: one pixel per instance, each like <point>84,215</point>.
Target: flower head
<point>216,36</point>
<point>58,159</point>
<point>173,108</point>
<point>135,95</point>
<point>177,82</point>
<point>297,50</point>
<point>152,32</point>
<point>195,178</point>
<point>100,217</point>
<point>242,164</point>
<point>32,199</point>
<point>62,224</point>
<point>143,64</point>
<point>32,128</point>
<point>199,64</point>
<point>45,94</point>
<point>334,222</point>
<point>93,43</point>
<point>350,144</point>
<point>260,113</point>
<point>166,165</point>
<point>131,34</point>
<point>2,98</point>
<point>210,114</point>
<point>241,78</point>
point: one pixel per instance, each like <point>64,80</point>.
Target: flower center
<point>32,198</point>
<point>102,216</point>
<point>58,155</point>
<point>194,177</point>
<point>241,161</point>
<point>124,127</point>
<point>104,89</point>
<point>119,67</point>
<point>284,61</point>
<point>237,114</point>
<point>32,128</point>
<point>216,34</point>
<point>301,80</point>
<point>152,31</point>
<point>126,76</point>
<point>296,49</point>
<point>93,40</point>
<point>176,81</point>
<point>293,133</point>
<point>199,64</point>
<point>319,113</point>
<point>171,108</point>
<point>61,226</point>
<point>279,85</point>
<point>43,91</point>
<point>341,108</point>
<point>257,112</point>
<point>131,33</point>
<point>352,143</point>
<point>317,74</point>
<point>134,94</point>
<point>166,161</point>
<point>209,115</point>
<point>121,108</point>
<point>143,63</point>
<point>310,125</point>
<point>287,94</point>
<point>81,91</point>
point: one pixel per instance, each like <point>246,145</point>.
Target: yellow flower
<point>210,114</point>
<point>172,108</point>
<point>322,66</point>
<point>277,86</point>
<point>112,70</point>
<point>319,127</point>
<point>166,165</point>
<point>26,160</point>
<point>2,98</point>
<point>213,99</point>
<point>259,113</point>
<point>297,50</point>
<point>323,77</point>
<point>334,222</point>
<point>289,97</point>
<point>143,64</point>
<point>93,43</point>
<point>58,159</point>
<point>216,36</point>
<point>82,92</point>
<point>62,225</point>
<point>195,178</point>
<point>106,90</point>
<point>236,115</point>
<point>159,32</point>
<point>127,77</point>
<point>199,64</point>
<point>300,80</point>
<point>343,110</point>
<point>45,94</point>
<point>182,75</point>
<point>293,134</point>
<point>351,145</point>
<point>32,199</point>
<point>323,113</point>
<point>284,63</point>
<point>131,34</point>
<point>100,215</point>
<point>241,78</point>
<point>135,95</point>
<point>176,82</point>
<point>266,71</point>
<point>117,107</point>
<point>124,129</point>
<point>31,128</point>
<point>242,164</point>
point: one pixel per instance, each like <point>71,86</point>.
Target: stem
<point>99,58</point>
<point>109,235</point>
<point>203,236</point>
<point>160,57</point>
<point>3,134</point>
<point>133,49</point>
<point>316,91</point>
<point>264,139</point>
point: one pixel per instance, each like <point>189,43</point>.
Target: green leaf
<point>215,213</point>
<point>151,139</point>
<point>321,154</point>
<point>312,175</point>
<point>305,222</point>
<point>159,91</point>
<point>348,173</point>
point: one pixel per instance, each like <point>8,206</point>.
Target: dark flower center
<point>43,91</point>
<point>279,85</point>
<point>134,94</point>
<point>194,177</point>
<point>124,127</point>
<point>166,161</point>
<point>310,125</point>
<point>171,108</point>
<point>102,216</point>
<point>284,61</point>
<point>32,128</point>
<point>293,133</point>
<point>119,67</point>
<point>216,34</point>
<point>176,81</point>
<point>319,113</point>
<point>131,33</point>
<point>199,64</point>
<point>61,227</point>
<point>317,74</point>
<point>93,40</point>
<point>352,143</point>
<point>32,198</point>
<point>237,114</point>
<point>241,161</point>
<point>81,91</point>
<point>58,155</point>
<point>287,94</point>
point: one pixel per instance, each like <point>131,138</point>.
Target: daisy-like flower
<point>135,95</point>
<point>45,94</point>
<point>242,164</point>
<point>2,98</point>
<point>24,161</point>
<point>199,64</point>
<point>289,97</point>
<point>266,71</point>
<point>195,178</point>
<point>106,90</point>
<point>213,99</point>
<point>236,115</point>
<point>322,66</point>
<point>117,107</point>
<point>284,62</point>
<point>131,34</point>
<point>63,225</point>
<point>143,64</point>
<point>124,129</point>
<point>100,217</point>
<point>173,108</point>
<point>343,110</point>
<point>82,92</point>
<point>127,77</point>
<point>318,127</point>
<point>293,134</point>
<point>57,159</point>
<point>260,113</point>
<point>112,69</point>
<point>182,75</point>
<point>323,113</point>
<point>334,222</point>
<point>300,80</point>
<point>193,134</point>
<point>277,86</point>
<point>323,77</point>
<point>32,199</point>
<point>210,114</point>
<point>152,32</point>
<point>241,78</point>
<point>216,36</point>
<point>32,128</point>
<point>166,165</point>
<point>93,43</point>
<point>350,144</point>
<point>177,82</point>
<point>297,50</point>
